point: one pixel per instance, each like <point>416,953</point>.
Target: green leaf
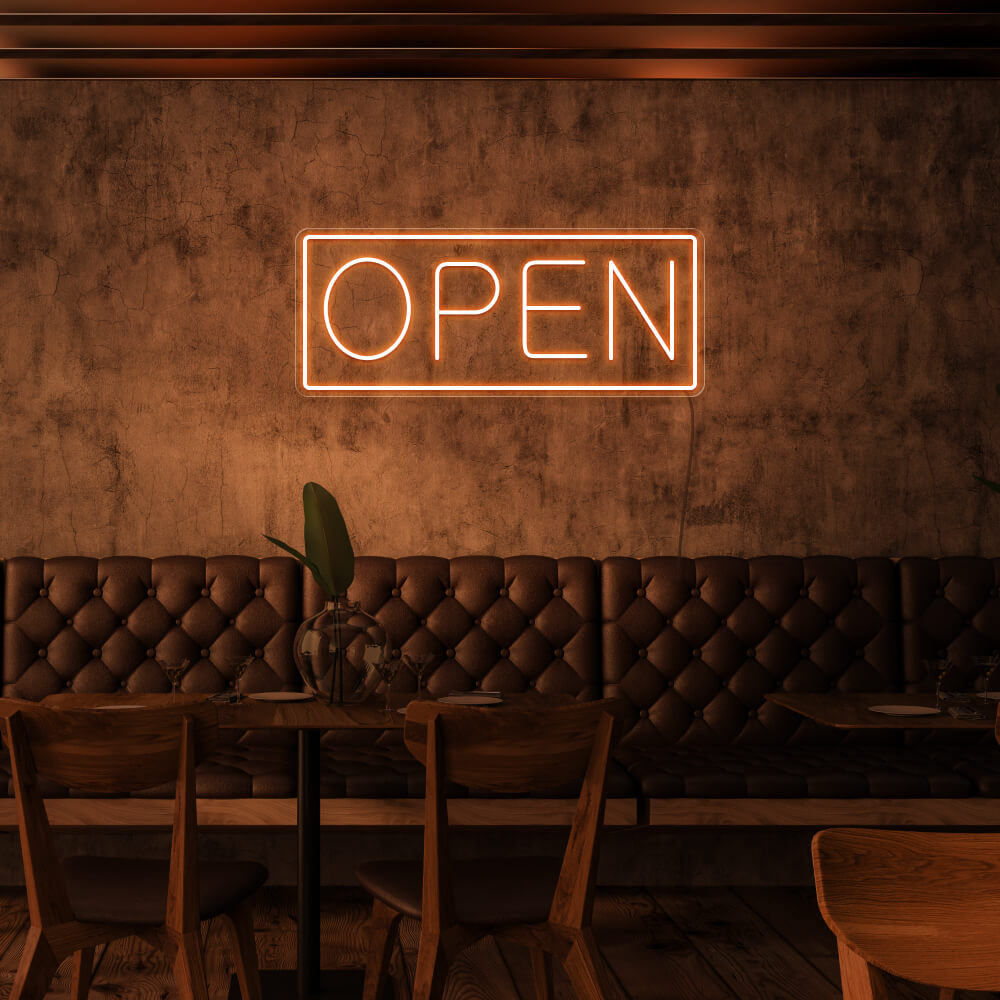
<point>328,544</point>
<point>325,585</point>
<point>988,482</point>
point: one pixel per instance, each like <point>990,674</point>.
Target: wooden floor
<point>661,944</point>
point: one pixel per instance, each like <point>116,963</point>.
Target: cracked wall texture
<point>147,300</point>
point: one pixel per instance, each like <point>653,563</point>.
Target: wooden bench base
<point>141,814</point>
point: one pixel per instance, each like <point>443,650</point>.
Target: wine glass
<point>175,671</point>
<point>418,663</point>
<point>985,666</point>
<point>240,667</point>
<point>387,669</point>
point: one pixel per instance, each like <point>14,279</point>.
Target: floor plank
<point>647,952</point>
<point>754,961</point>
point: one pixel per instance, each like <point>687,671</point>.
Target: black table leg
<point>308,982</point>
<point>308,873</point>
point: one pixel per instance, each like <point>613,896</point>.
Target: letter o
<point>326,308</point>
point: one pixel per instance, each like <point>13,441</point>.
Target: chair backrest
<point>922,906</point>
<point>509,749</point>
<point>114,750</point>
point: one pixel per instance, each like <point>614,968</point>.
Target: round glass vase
<point>339,652</point>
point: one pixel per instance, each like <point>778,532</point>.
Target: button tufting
<point>43,592</point>
<point>423,621</point>
<point>259,592</point>
<point>96,653</point>
<point>643,713</point>
<point>124,684</point>
<point>204,654</point>
<point>450,592</point>
<point>449,653</point>
<point>751,653</point>
<point>804,592</point>
<point>151,653</point>
<point>669,682</point>
<point>177,621</point>
<point>151,592</point>
<point>69,621</point>
<point>696,653</point>
<point>396,591</point>
<point>124,621</point>
<point>641,592</point>
<point>805,654</point>
<point>69,684</point>
<point>695,591</point>
<point>531,684</point>
<point>476,621</point>
<point>751,713</point>
<point>504,591</point>
<point>42,653</point>
<point>558,654</point>
<point>395,654</point>
<point>697,713</point>
<point>259,653</point>
<point>504,653</point>
<point>557,591</point>
<point>642,653</point>
<point>667,621</point>
<point>856,592</point>
<point>476,684</point>
<point>777,623</point>
<point>748,592</point>
<point>205,591</point>
<point>97,591</point>
<point>859,653</point>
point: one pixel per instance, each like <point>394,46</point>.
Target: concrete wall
<point>147,302</point>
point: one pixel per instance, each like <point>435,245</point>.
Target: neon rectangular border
<point>306,388</point>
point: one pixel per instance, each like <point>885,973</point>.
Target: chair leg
<point>541,971</point>
<point>585,967</point>
<point>83,971</point>
<point>859,980</point>
<point>428,980</point>
<point>189,967</point>
<point>381,938</point>
<point>240,921</point>
<point>35,970</point>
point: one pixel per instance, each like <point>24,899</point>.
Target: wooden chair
<point>543,903</point>
<point>82,902</point>
<point>922,906</point>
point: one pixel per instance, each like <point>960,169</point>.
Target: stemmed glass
<point>175,672</point>
<point>418,664</point>
<point>240,667</point>
<point>985,666</point>
<point>387,669</point>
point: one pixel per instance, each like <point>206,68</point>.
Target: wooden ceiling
<point>588,39</point>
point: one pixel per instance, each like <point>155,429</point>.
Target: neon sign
<point>532,313</point>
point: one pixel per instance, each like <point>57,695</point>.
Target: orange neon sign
<point>531,313</point>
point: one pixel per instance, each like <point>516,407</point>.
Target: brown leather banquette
<point>690,645</point>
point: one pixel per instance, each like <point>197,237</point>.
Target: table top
<point>853,711</point>
<point>250,714</point>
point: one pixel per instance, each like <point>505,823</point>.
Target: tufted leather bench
<point>691,646</point>
<point>98,625</point>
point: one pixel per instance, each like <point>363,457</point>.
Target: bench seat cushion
<point>795,772</point>
<point>390,772</point>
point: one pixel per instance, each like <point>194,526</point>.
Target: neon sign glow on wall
<point>530,313</point>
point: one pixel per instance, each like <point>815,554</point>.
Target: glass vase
<point>339,652</point>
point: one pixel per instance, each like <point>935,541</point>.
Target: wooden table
<point>851,711</point>
<point>310,719</point>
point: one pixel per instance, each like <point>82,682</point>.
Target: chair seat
<point>487,891</point>
<point>134,890</point>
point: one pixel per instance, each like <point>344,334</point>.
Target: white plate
<point>904,710</point>
<point>470,699</point>
<point>280,696</point>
